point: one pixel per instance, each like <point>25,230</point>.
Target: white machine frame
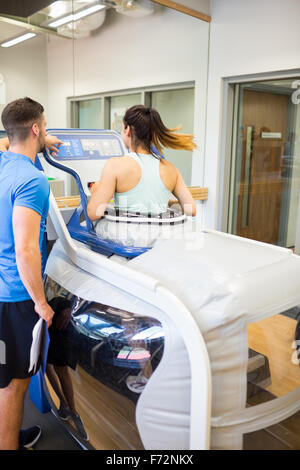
<point>152,291</point>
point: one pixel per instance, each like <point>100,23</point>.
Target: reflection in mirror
<point>127,56</point>
<point>121,63</point>
<point>99,362</point>
<point>86,49</point>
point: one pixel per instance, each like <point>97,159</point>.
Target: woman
<point>142,182</point>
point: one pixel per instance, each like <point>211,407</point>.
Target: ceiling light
<point>88,11</point>
<point>76,16</point>
<point>17,40</point>
<point>57,9</point>
<point>64,20</point>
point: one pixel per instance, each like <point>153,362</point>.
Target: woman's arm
<point>102,191</point>
<point>184,196</point>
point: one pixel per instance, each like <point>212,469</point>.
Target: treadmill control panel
<point>89,146</point>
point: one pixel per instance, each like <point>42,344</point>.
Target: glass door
<point>265,175</point>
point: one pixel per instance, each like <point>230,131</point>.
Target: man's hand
<point>52,143</point>
<point>45,311</point>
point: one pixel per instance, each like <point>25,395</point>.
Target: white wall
<point>24,68</point>
<point>126,53</point>
<point>246,37</point>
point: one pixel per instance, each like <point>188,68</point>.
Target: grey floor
<point>293,313</point>
<point>54,436</point>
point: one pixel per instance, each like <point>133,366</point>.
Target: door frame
<point>228,135</point>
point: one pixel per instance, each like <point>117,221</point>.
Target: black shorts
<point>17,320</point>
<point>62,349</point>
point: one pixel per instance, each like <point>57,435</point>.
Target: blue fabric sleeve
<point>32,194</point>
<point>38,164</point>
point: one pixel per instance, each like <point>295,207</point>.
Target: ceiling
<point>17,18</point>
<point>20,16</point>
<point>10,31</point>
<point>22,8</point>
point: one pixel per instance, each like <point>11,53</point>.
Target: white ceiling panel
<point>10,31</point>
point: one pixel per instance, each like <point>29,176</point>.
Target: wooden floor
<point>274,337</point>
<point>108,416</point>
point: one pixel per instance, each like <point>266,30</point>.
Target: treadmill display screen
<point>71,148</point>
<point>83,147</point>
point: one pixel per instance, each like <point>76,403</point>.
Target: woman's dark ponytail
<point>148,128</point>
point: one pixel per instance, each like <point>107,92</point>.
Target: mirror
<point>87,72</point>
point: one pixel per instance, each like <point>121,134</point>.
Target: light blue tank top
<point>150,194</point>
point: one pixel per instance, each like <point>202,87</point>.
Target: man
<point>24,204</point>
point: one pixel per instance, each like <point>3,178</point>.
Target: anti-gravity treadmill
<point>169,341</point>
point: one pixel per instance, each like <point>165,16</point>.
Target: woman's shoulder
<point>117,161</point>
<point>124,158</point>
<point>119,165</point>
<point>168,174</point>
<point>169,167</point>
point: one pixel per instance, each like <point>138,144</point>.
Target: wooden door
<point>264,124</point>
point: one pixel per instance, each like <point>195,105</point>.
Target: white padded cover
<point>226,282</point>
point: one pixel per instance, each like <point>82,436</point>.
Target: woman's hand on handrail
<point>102,191</point>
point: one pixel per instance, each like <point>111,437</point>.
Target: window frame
<point>73,102</point>
<point>227,144</point>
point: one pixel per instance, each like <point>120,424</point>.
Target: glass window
<point>90,114</point>
<point>118,106</point>
<point>265,164</point>
<point>176,107</point>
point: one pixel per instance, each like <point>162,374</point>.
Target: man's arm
<point>51,143</point>
<point>26,227</point>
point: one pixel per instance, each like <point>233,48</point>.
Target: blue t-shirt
<point>21,184</point>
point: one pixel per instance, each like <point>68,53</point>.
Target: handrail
<point>198,193</point>
<point>184,9</point>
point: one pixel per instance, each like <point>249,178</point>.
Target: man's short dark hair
<point>19,116</point>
